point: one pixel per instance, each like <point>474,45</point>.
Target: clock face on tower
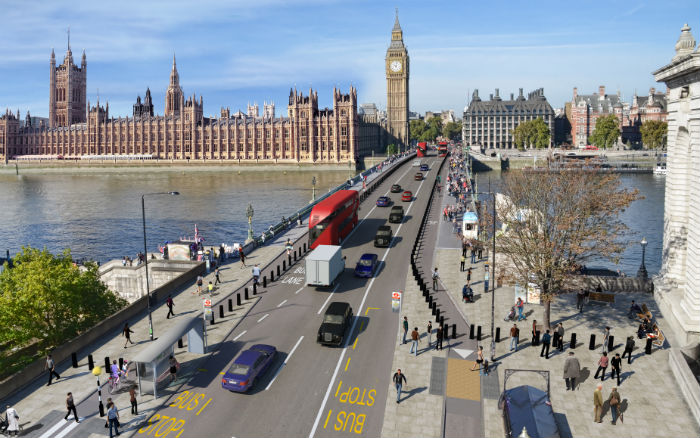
<point>395,66</point>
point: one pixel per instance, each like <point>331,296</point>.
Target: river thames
<point>98,215</point>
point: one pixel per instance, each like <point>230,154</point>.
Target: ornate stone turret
<point>685,44</point>
<point>173,96</point>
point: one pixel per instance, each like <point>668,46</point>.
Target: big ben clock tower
<point>397,86</point>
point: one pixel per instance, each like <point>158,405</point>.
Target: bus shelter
<point>153,362</point>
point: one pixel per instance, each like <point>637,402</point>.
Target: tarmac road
<point>310,390</point>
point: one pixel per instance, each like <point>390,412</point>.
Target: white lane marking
<point>328,299</point>
<point>300,289</point>
<point>240,334</point>
<point>282,303</point>
<point>55,427</point>
<point>284,363</point>
<point>65,431</point>
<point>352,330</point>
<point>264,316</point>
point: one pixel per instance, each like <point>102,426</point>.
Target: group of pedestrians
<point>440,335</point>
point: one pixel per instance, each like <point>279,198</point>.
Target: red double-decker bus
<point>422,149</point>
<point>442,149</point>
<point>333,218</point>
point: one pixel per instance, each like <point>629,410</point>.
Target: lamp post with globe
<point>642,272</point>
<point>249,214</point>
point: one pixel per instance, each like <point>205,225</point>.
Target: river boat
<point>661,169</point>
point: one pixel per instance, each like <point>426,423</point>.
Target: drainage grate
<point>489,386</point>
<point>437,376</point>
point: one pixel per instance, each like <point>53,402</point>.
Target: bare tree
<point>554,222</point>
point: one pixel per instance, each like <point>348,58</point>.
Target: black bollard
<point>221,311</point>
<point>647,348</point>
<point>442,321</point>
<point>289,261</point>
<point>264,281</point>
<point>437,314</point>
<point>179,343</point>
<point>284,265</point>
<point>295,256</point>
<point>498,334</point>
<point>272,276</point>
<point>572,344</point>
<point>91,362</point>
<point>471,331</point>
<point>107,364</point>
<point>255,288</point>
<point>121,362</point>
<point>247,297</point>
<point>591,343</point>
<point>611,343</point>
<point>74,359</point>
<point>429,299</point>
<point>433,309</point>
<point>305,247</point>
<point>278,270</point>
<point>230,305</point>
<point>212,319</point>
<point>478,333</point>
<point>238,299</point>
<point>454,331</point>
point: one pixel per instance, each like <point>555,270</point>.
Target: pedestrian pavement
<point>652,404</point>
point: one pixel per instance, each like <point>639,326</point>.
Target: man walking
<point>546,340</point>
<point>469,275</point>
<point>256,274</point>
<point>132,397</point>
<point>572,369</point>
<point>629,347</point>
<point>216,273</point>
<point>606,338</point>
<point>438,338</point>
<point>430,333</point>
<point>535,338</point>
<point>580,298</point>
<point>598,403</point>
<point>520,305</point>
<point>70,405</point>
<point>436,277</point>
<point>415,339</point>
<point>514,335</point>
<point>560,332</point>
<point>241,255</point>
<point>405,328</point>
<point>399,379</point>
<point>51,366</point>
<point>462,261</point>
<point>126,332</point>
<point>169,302</point>
<point>473,253</point>
<point>615,364</point>
<point>602,366</point>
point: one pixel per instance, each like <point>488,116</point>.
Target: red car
<point>418,176</point>
<point>407,196</point>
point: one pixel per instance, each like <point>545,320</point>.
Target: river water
<point>644,218</point>
<point>98,216</point>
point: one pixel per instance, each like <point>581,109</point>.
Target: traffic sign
<point>396,301</point>
<point>208,315</point>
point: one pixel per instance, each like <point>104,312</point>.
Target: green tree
<point>45,297</point>
<point>391,149</point>
<point>433,128</point>
<point>606,132</point>
<point>654,133</point>
<point>452,130</point>
<point>416,127</point>
<point>532,133</point>
<point>541,134</point>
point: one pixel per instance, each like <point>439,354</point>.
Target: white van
<point>416,163</point>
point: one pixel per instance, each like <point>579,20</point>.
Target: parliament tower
<point>67,90</point>
<point>397,68</point>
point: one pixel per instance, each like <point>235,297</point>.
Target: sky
<point>235,52</point>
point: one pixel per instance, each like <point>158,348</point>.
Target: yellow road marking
<point>347,364</point>
<point>354,344</point>
<point>205,405</point>
<point>327,418</point>
<point>336,391</point>
<point>221,373</point>
<point>371,308</point>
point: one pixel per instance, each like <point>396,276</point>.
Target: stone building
<point>678,284</point>
<point>490,124</point>
<point>67,90</point>
<point>144,109</point>
<point>372,131</point>
<point>397,72</point>
<point>643,108</point>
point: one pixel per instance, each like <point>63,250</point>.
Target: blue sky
<point>235,52</point>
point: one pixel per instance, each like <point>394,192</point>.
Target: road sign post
<point>208,315</point>
<point>396,301</point>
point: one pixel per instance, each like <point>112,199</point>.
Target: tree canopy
<point>555,222</point>
<point>452,130</point>
<point>606,132</point>
<point>391,149</point>
<point>47,298</point>
<point>426,130</point>
<point>654,134</point>
<point>532,133</point>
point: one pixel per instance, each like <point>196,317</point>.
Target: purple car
<point>383,201</point>
<point>250,364</point>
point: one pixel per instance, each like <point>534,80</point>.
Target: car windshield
<point>333,319</point>
<point>383,233</point>
<point>238,368</point>
<point>365,262</point>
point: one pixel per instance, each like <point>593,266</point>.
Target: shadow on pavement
<point>412,392</point>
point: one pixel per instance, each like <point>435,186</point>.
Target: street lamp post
<point>145,255</point>
<point>313,189</point>
<point>642,272</point>
<point>250,213</point>
<point>493,271</point>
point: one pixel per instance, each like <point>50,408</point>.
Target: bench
<point>602,297</point>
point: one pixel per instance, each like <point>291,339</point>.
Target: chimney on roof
<point>511,96</point>
<point>496,92</point>
<point>490,96</point>
<point>575,92</point>
<point>601,90</point>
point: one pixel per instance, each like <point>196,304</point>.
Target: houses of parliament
<point>75,129</point>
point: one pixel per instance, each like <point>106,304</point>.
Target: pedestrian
<point>462,261</point>
<point>535,338</point>
<point>464,249</point>
<point>51,366</point>
<point>602,366</point>
<point>560,332</point>
<point>210,288</point>
<point>480,252</point>
<point>572,369</point>
<point>469,275</point>
<point>132,397</point>
<point>438,338</point>
<point>113,418</point>
<point>614,402</point>
<point>12,418</point>
<point>218,279</point>
<point>479,358</point>
<point>615,363</point>
<point>520,305</point>
<point>514,335</point>
<point>126,332</point>
<point>169,302</point>
<point>484,371</point>
<point>415,340</point>
<point>598,403</point>
<point>580,298</point>
<point>629,347</point>
<point>173,368</point>
<point>256,274</point>
<point>241,255</point>
<point>200,280</point>
<point>430,333</point>
<point>473,254</point>
<point>606,337</point>
<point>436,277</point>
<point>399,379</point>
<point>546,339</point>
<point>405,328</point>
<point>70,405</point>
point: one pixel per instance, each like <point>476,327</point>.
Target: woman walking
<point>173,368</point>
<point>126,331</point>
<point>479,358</point>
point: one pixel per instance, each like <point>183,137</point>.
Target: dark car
<point>366,265</point>
<point>247,367</point>
<point>383,236</point>
<point>418,176</point>
<point>396,188</point>
<point>383,201</point>
<point>424,168</point>
<point>407,196</point>
<point>336,321</point>
<point>396,214</point>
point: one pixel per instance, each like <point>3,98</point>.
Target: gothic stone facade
<point>679,286</point>
<point>308,134</point>
<point>397,71</point>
